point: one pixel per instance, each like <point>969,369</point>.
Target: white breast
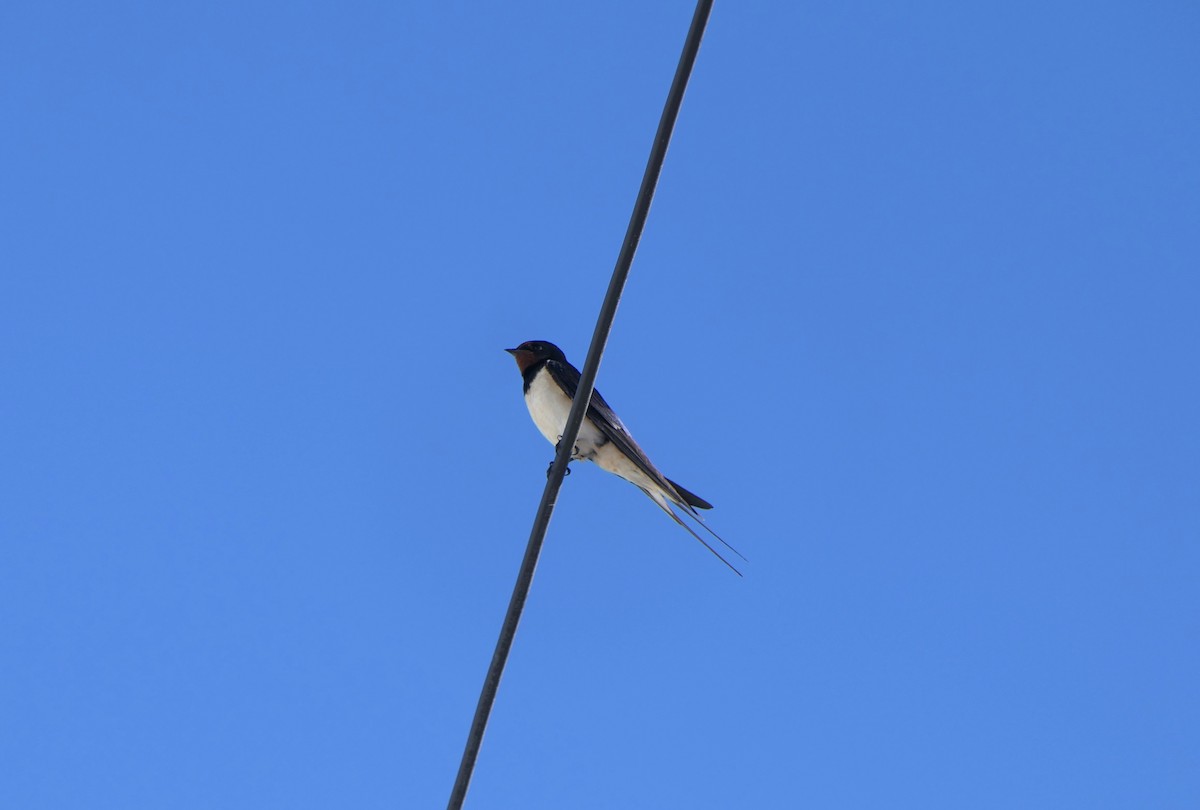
<point>549,407</point>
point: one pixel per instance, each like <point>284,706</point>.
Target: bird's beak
<point>512,351</point>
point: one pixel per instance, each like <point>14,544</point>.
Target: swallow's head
<point>535,351</point>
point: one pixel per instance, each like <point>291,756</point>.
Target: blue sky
<point>916,308</point>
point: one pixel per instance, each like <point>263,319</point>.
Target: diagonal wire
<point>583,396</point>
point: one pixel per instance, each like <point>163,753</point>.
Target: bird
<point>550,385</point>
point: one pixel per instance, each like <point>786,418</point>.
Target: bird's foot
<point>557,447</point>
<point>566,472</point>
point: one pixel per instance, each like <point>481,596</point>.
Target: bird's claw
<point>557,446</point>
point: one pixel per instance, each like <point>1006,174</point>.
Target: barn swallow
<point>550,385</point>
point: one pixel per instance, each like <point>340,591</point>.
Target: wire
<point>583,396</point>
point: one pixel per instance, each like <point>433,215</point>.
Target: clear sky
<point>918,308</point>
